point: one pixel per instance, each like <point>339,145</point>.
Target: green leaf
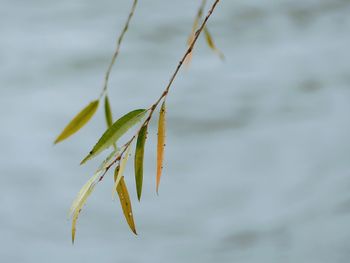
<point>120,169</point>
<point>211,43</point>
<point>109,116</point>
<point>126,204</point>
<point>108,112</point>
<point>78,121</point>
<point>80,200</point>
<point>118,129</point>
<point>160,143</point>
<point>139,154</point>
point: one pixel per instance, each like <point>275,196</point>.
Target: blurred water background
<point>257,156</point>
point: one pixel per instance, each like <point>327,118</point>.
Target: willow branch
<point>166,90</point>
<point>189,50</point>
<point>116,52</point>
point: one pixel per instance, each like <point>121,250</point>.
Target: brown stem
<point>189,50</point>
<point>116,52</point>
<point>166,91</point>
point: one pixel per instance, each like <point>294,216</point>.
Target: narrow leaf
<point>126,204</point>
<point>82,192</point>
<point>116,171</point>
<point>78,121</point>
<point>109,116</point>
<point>80,200</point>
<point>120,170</point>
<point>211,43</point>
<point>138,163</point>
<point>161,143</point>
<point>108,112</point>
<point>112,134</point>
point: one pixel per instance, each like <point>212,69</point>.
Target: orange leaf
<point>161,144</point>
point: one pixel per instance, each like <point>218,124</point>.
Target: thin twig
<point>166,91</point>
<point>188,51</point>
<point>116,52</point>
<point>197,19</point>
<point>198,32</point>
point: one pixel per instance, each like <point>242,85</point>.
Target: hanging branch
<point>118,128</point>
<point>84,116</point>
<point>166,90</point>
<point>116,52</point>
<point>208,37</point>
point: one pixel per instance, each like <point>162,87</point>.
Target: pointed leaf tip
<point>211,44</point>
<point>78,121</point>
<point>160,143</point>
<point>80,201</point>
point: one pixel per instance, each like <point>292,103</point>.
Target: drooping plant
<point>118,157</point>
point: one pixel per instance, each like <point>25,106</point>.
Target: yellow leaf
<point>119,171</point>
<point>211,43</point>
<point>193,32</point>
<point>116,171</point>
<point>161,143</point>
<point>82,192</point>
<point>80,200</point>
<point>126,204</point>
<point>78,121</point>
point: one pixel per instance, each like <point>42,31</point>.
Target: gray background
<point>257,156</point>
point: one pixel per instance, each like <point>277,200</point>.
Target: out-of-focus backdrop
<point>258,151</point>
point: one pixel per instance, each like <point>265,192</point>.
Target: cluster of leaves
<point>119,156</point>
